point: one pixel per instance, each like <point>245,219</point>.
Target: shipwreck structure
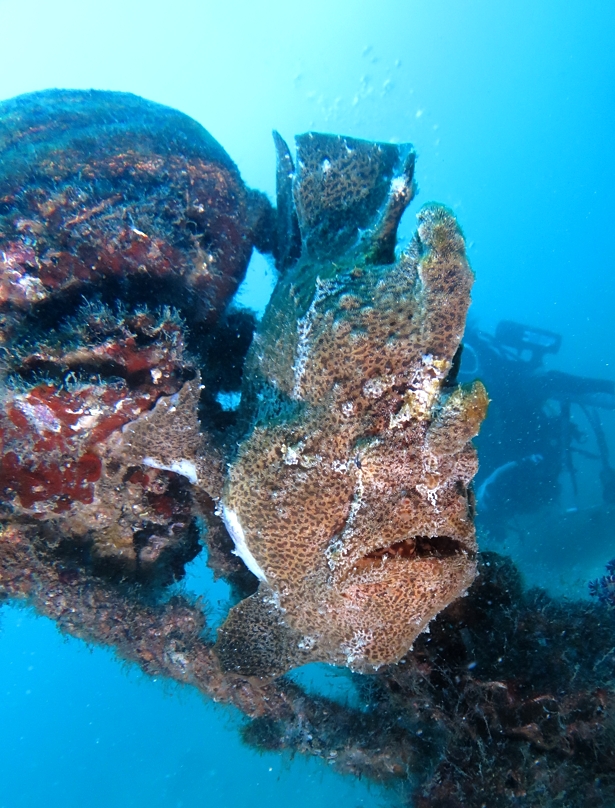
<point>336,499</point>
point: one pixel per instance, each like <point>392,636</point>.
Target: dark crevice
<point>34,368</point>
<point>451,378</point>
<point>142,289</point>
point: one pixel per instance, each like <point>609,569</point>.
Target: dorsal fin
<point>344,187</point>
<point>288,241</point>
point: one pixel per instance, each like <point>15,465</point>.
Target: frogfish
<point>350,495</point>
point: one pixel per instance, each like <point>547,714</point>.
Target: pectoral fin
<point>459,420</point>
<point>255,640</point>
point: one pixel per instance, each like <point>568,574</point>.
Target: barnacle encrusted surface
<point>350,498</point>
<point>103,450</point>
<point>100,187</point>
<point>125,230</point>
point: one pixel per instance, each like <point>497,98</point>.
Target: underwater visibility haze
<point>307,491</point>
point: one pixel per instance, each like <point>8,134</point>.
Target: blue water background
<point>511,107</point>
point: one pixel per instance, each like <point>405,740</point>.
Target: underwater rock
<point>134,208</point>
<point>350,497</point>
<point>108,190</point>
<point>104,451</point>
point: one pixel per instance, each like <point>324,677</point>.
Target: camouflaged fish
<point>350,498</point>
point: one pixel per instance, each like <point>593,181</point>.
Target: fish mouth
<point>412,548</point>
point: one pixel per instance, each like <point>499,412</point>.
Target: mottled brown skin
<point>352,491</point>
